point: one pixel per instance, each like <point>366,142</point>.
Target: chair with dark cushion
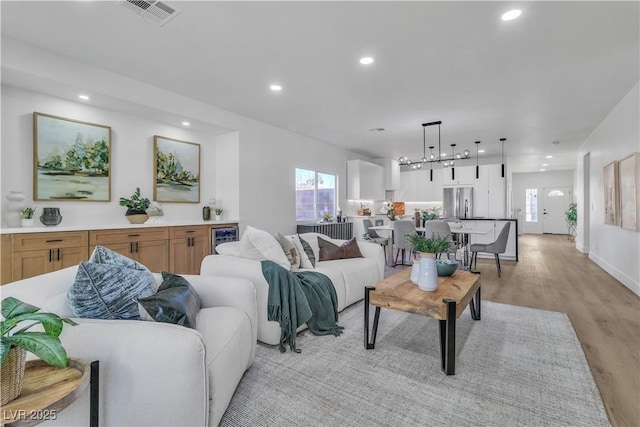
<point>401,230</point>
<point>495,248</point>
<point>373,235</point>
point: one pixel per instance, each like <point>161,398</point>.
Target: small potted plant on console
<point>137,206</point>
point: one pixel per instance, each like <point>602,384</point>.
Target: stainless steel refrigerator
<point>457,202</point>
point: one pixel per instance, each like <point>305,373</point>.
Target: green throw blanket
<point>300,297</point>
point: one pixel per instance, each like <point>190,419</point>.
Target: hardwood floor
<point>553,275</point>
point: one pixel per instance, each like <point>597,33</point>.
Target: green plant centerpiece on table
<point>428,245</point>
<point>571,216</point>
<point>14,343</point>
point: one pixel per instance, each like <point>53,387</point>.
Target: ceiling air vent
<point>155,11</point>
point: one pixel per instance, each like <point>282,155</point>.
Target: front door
<point>555,202</point>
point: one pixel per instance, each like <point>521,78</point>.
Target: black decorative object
<point>50,216</point>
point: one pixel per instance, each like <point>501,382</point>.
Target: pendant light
<point>439,157</point>
<point>431,157</point>
<point>477,166</point>
<point>503,140</point>
<point>451,163</point>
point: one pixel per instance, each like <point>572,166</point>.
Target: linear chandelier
<point>447,160</point>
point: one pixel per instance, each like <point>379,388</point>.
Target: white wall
<point>613,248</point>
<point>539,180</point>
<point>250,171</point>
<point>131,157</point>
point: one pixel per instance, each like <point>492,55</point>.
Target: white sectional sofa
<point>349,276</point>
<point>156,374</point>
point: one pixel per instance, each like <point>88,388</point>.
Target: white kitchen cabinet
<point>417,187</point>
<point>365,181</point>
<point>464,175</point>
<point>497,192</point>
<point>489,193</point>
<point>408,186</point>
<point>391,174</point>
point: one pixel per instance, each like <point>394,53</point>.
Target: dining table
<point>462,230</point>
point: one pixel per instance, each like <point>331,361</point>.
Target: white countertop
<point>44,229</point>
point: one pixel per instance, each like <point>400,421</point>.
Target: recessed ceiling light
<point>510,15</point>
<point>275,88</point>
<point>186,124</point>
<point>545,164</point>
<point>542,170</point>
<point>366,60</point>
<point>85,97</point>
<point>548,157</point>
<point>481,151</point>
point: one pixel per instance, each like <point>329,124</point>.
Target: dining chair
<point>495,248</point>
<point>401,230</point>
<point>441,229</point>
<point>373,235</point>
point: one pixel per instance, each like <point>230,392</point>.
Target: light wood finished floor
<point>553,275</point>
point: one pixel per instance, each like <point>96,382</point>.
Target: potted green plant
<point>571,216</point>
<point>428,245</point>
<point>26,217</point>
<point>136,207</point>
<point>218,212</point>
<point>15,343</point>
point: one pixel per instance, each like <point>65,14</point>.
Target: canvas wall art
<point>629,172</point>
<point>71,159</point>
<point>611,194</point>
<point>177,172</point>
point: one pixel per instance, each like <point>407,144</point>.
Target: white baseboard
<point>629,282</point>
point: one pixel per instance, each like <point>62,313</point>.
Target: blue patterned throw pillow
<point>108,287</point>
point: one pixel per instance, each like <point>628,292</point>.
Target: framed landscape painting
<point>176,177</point>
<point>629,171</point>
<point>611,194</point>
<point>71,159</point>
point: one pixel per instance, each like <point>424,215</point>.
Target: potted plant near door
<point>14,344</point>
<point>571,216</point>
<point>137,206</point>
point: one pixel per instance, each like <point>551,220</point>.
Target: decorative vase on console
<point>50,216</point>
<point>428,272</point>
<point>15,205</point>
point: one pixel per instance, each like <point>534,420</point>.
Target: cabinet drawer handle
<point>190,231</point>
<point>54,240</point>
<point>134,235</point>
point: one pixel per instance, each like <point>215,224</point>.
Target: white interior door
<point>555,202</point>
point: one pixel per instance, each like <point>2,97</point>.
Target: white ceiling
<point>551,75</point>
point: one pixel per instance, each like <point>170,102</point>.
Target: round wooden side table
<point>47,390</point>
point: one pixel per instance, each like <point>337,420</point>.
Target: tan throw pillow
<point>330,251</point>
<point>290,251</point>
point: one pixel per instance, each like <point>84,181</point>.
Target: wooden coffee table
<point>445,304</point>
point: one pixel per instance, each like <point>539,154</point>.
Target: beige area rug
<point>516,367</point>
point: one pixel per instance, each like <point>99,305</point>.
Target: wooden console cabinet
<point>148,246</point>
<point>39,253</point>
<point>189,245</point>
<point>178,249</point>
